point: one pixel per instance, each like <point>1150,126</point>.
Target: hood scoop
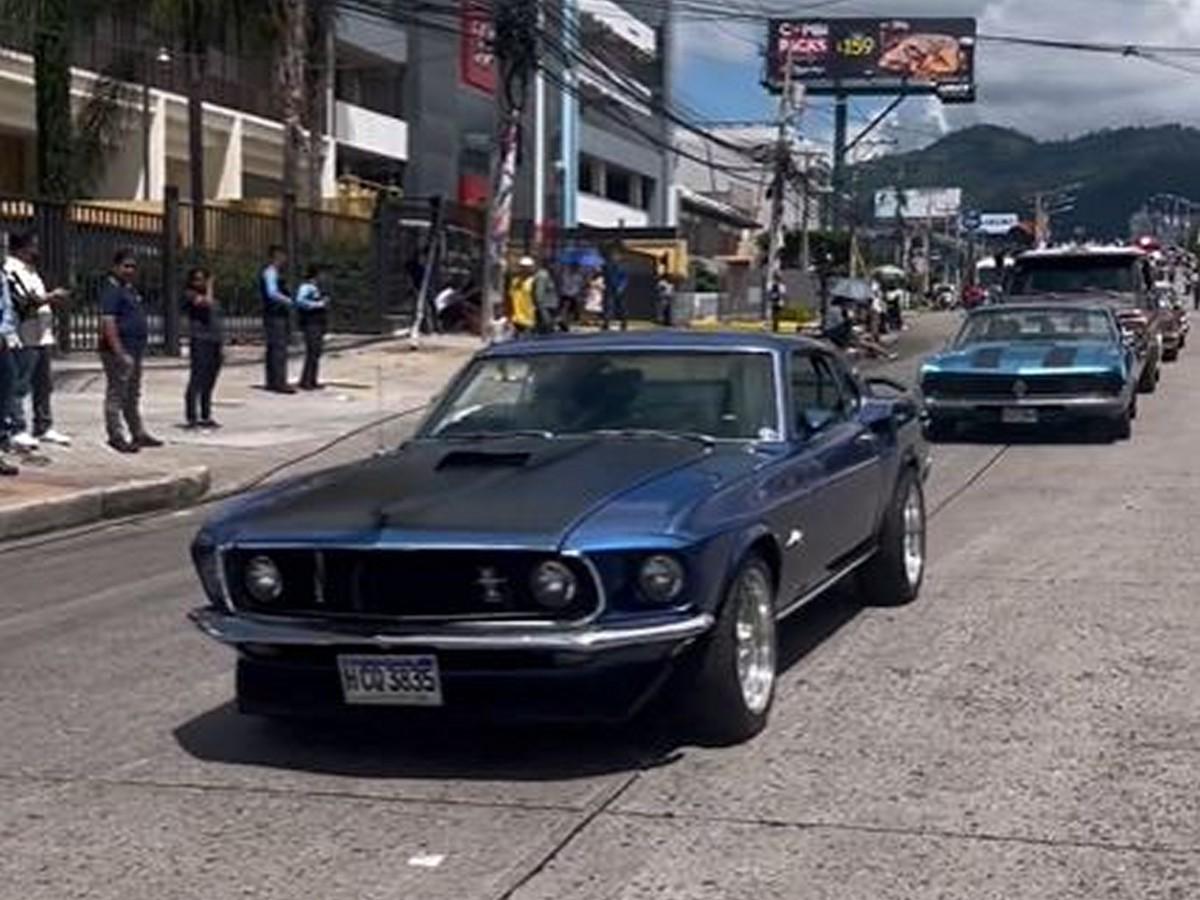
<point>477,459</point>
<point>987,358</point>
<point>1060,357</point>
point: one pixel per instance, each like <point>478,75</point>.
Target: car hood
<point>1026,357</point>
<point>527,492</point>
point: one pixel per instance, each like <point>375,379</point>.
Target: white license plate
<point>391,680</point>
<point>1019,416</point>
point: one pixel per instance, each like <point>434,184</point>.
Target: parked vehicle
<point>1118,277</point>
<point>1175,320</point>
<point>1034,364</point>
<point>578,522</point>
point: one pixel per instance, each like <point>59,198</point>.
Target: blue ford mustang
<point>578,522</point>
<point>1033,364</point>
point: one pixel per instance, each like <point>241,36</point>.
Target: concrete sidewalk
<point>62,487</point>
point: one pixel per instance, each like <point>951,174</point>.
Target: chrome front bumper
<point>1083,405</point>
<point>238,629</point>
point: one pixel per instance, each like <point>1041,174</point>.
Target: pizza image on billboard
<point>924,57</point>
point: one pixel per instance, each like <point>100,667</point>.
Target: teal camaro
<point>1031,365</point>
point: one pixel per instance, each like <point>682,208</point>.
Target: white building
<point>243,135</point>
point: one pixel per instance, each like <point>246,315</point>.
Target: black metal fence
<point>368,262</point>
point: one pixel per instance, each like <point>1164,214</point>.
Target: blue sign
<point>972,219</point>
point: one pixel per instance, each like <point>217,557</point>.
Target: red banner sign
<point>477,61</point>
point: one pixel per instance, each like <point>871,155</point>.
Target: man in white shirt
<point>34,307</point>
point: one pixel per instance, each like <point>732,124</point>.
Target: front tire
<point>731,698</point>
<point>1148,383</point>
<point>895,573</point>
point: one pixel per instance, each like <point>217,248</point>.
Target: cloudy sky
<point>1046,93</point>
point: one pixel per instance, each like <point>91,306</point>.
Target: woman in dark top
<point>207,343</point>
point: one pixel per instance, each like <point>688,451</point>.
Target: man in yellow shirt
<point>523,311</point>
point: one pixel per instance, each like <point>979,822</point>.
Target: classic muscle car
<point>578,522</point>
<point>1121,278</point>
<point>1033,364</point>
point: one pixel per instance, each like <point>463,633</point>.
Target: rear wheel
<point>735,687</point>
<point>894,575</point>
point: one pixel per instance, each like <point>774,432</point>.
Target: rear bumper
<point>596,673</point>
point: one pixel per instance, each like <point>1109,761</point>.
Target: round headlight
<point>661,578</point>
<point>553,585</point>
<point>263,580</point>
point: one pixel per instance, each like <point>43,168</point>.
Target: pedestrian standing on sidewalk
<point>666,293</point>
<point>312,303</point>
<point>615,284</point>
<point>123,336</point>
<point>34,306</point>
<point>570,296</point>
<point>277,313</point>
<point>206,347</point>
<point>522,308</point>
<point>545,299</point>
<point>8,373</point>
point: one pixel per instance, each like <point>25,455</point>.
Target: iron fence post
<point>170,273</point>
<point>52,223</point>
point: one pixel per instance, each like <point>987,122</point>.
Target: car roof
<point>635,341</point>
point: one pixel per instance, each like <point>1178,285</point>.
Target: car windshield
<point>727,396</point>
<point>1036,325</point>
<point>1074,275</point>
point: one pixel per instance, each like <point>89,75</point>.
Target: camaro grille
<point>1005,386</point>
<point>409,584</point>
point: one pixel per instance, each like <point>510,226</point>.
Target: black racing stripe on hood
<point>1060,357</point>
<point>987,358</point>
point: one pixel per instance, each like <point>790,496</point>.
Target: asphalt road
<point>1029,729</point>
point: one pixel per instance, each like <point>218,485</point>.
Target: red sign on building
<point>477,61</point>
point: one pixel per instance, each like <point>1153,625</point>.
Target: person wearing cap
<point>523,309</point>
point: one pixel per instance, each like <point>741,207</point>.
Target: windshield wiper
<point>658,433</point>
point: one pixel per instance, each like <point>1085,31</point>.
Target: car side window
<point>816,394</point>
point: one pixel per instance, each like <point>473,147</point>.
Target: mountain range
<point>999,170</point>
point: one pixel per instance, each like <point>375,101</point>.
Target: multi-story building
<point>595,150</point>
<point>243,135</point>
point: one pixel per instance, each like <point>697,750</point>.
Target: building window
<point>619,187</point>
<point>587,184</point>
<point>647,197</point>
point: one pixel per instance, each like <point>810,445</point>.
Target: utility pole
<point>783,163</point>
<point>516,57</point>
<point>840,126</point>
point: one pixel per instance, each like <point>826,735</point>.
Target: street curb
<point>94,504</point>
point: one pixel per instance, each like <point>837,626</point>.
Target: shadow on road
<point>434,748</point>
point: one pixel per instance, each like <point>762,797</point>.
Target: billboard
<point>880,56</point>
<point>476,59</point>
<point>998,223</point>
<point>918,203</point>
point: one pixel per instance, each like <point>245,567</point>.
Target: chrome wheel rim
<point>755,639</point>
<point>914,537</point>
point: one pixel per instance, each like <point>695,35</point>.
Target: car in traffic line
<point>1176,324</point>
<point>578,523</point>
<point>1034,364</point>
<point>1119,277</point>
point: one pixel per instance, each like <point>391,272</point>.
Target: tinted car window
<point>1076,275</point>
<point>1008,324</point>
<point>724,395</point>
<point>816,395</point>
